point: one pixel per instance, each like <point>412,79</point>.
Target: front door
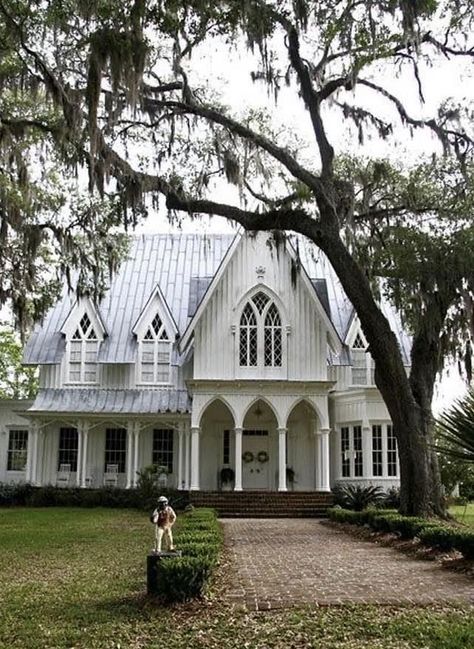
<point>255,459</point>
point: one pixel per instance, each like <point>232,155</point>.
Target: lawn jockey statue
<point>163,518</point>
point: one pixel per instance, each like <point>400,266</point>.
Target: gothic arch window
<point>272,341</point>
<point>260,333</point>
<point>155,353</point>
<point>248,337</point>
<point>83,347</point>
<point>361,362</point>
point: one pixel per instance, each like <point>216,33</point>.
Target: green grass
<point>463,514</point>
<point>76,578</point>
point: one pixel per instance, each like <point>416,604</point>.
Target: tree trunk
<point>419,476</point>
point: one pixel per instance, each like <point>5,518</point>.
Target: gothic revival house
<point>208,351</point>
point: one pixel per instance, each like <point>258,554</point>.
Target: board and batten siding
<point>216,336</point>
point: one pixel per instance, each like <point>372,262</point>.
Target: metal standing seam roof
<point>182,265</point>
<point>116,402</point>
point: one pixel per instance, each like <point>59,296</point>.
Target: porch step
<point>264,504</point>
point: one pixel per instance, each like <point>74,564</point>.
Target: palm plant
<point>456,429</point>
<point>357,497</point>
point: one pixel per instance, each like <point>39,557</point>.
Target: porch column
<point>30,453</point>
<point>367,451</point>
<point>180,454</point>
<point>34,454</point>
<point>238,459</point>
<point>187,454</point>
<point>195,433</point>
<point>85,437</point>
<point>318,457</point>
<point>282,459</point>
<point>130,429</point>
<point>136,440</point>
<point>79,453</point>
<point>325,459</point>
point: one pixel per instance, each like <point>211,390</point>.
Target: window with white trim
<point>384,451</point>
<point>162,454</point>
<point>226,447</point>
<point>260,333</point>
<point>155,354</point>
<point>68,446</point>
<point>115,448</point>
<point>352,464</point>
<point>17,450</point>
<point>392,452</point>
<point>377,450</point>
<point>359,361</point>
<point>83,347</point>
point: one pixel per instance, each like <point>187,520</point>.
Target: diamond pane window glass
<point>85,323</point>
<point>115,448</point>
<point>248,337</point>
<point>83,347</point>
<point>260,300</point>
<point>391,451</point>
<point>156,324</point>
<point>67,451</point>
<point>272,338</point>
<point>377,463</point>
<point>358,343</point>
<point>17,450</point>
<point>345,446</point>
<point>155,354</point>
<point>358,461</point>
<point>162,454</point>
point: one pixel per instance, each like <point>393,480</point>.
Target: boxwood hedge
<point>430,532</point>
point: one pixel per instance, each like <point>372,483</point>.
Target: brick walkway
<point>281,563</point>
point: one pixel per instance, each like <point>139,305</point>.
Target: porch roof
<point>97,401</point>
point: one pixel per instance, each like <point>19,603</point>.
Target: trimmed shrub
<point>464,542</point>
<point>438,536</point>
<point>199,537</point>
<point>183,578</point>
<point>52,496</point>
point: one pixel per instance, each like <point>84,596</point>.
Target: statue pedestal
<point>152,568</point>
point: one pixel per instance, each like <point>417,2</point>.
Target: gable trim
<point>334,340</point>
<point>210,290</point>
<point>156,293</point>
<point>85,304</point>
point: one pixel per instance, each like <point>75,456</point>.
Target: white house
<point>208,351</point>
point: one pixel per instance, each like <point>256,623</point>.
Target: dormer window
<point>83,347</point>
<point>260,332</point>
<point>362,373</point>
<point>155,353</point>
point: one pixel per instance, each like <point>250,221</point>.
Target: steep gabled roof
<point>183,266</point>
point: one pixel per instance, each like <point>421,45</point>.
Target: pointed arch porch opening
<point>260,448</point>
<point>307,449</point>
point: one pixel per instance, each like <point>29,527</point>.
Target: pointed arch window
<point>260,331</point>
<point>83,347</point>
<point>155,353</point>
<point>361,362</point>
<point>248,337</point>
<point>272,342</point>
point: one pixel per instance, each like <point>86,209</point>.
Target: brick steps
<point>264,504</point>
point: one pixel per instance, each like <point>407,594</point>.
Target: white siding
<point>217,332</point>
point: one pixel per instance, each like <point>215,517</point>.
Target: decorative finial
<point>260,270</point>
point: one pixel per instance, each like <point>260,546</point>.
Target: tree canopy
<point>128,92</point>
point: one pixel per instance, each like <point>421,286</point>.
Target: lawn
<point>463,514</point>
<point>75,578</point>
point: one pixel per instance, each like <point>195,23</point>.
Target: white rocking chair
<point>63,475</point>
<point>111,475</point>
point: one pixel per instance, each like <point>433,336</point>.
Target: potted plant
<point>290,476</point>
<point>227,478</point>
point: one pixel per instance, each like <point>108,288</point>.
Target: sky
<point>229,71</point>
